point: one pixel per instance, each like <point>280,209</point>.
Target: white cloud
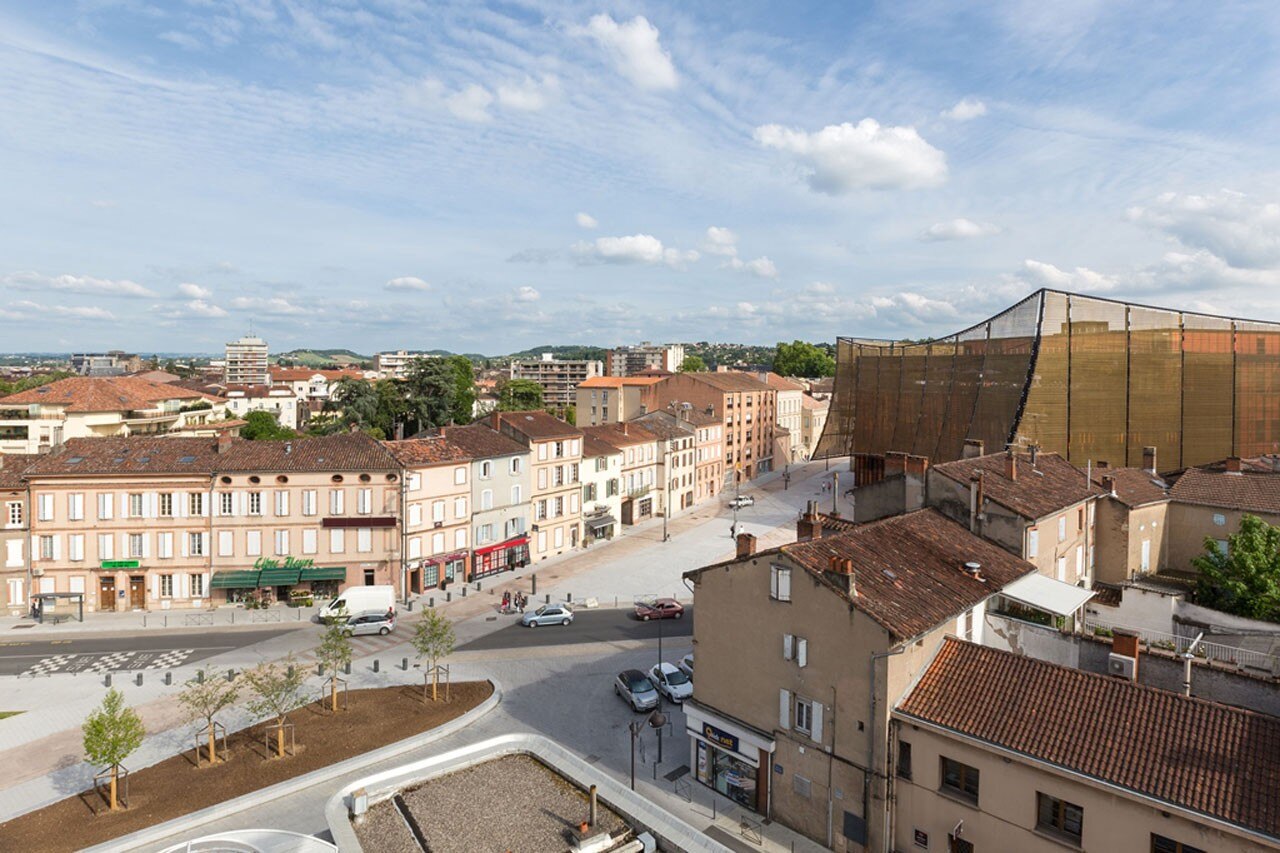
<point>194,291</point>
<point>407,282</point>
<point>1243,231</point>
<point>84,312</point>
<point>529,95</point>
<point>842,158</point>
<point>276,305</point>
<point>471,103</point>
<point>634,249</point>
<point>966,109</point>
<point>527,294</point>
<point>1081,280</point>
<point>193,308</point>
<point>959,229</point>
<point>586,220</point>
<point>75,284</point>
<point>720,241</point>
<point>762,267</point>
<point>635,51</point>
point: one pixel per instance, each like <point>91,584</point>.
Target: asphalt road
<point>588,626</point>
<point>116,653</point>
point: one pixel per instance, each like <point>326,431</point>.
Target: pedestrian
<point>524,600</point>
<point>506,602</point>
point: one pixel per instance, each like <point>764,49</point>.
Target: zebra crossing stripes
<point>102,662</point>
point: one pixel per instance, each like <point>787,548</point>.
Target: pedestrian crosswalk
<point>101,662</point>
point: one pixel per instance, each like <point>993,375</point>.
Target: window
<point>415,515</point>
<point>75,547</point>
<point>486,470</point>
<point>559,475</point>
<point>1160,844</point>
<point>135,544</point>
<point>336,502</point>
<point>515,465</point>
<point>558,536</point>
<point>414,482</point>
<point>1058,817</point>
<point>164,545</point>
<point>415,547</point>
<point>459,507</point>
<point>75,506</point>
<point>46,547</point>
<point>309,502</point>
<point>309,541</point>
<point>516,494</point>
<point>542,478</point>
<point>282,543</point>
<point>559,507</point>
<point>484,533</point>
<point>960,779</point>
<point>166,505</point>
<point>166,586</point>
<point>364,540</point>
<point>459,476</point>
<point>226,543</point>
<point>437,511</point>
<point>13,514</point>
<point>104,507</point>
<point>904,759</point>
<point>795,648</point>
<point>337,540</point>
<point>808,718</point>
<point>282,503</point>
<point>460,538</point>
<point>780,583</point>
<point>106,546</point>
<point>255,503</point>
<point>1033,543</point>
<point>611,487</point>
<point>364,501</point>
<point>542,452</point>
<point>559,449</point>
<point>135,505</point>
<point>486,499</point>
<point>197,503</point>
<point>540,510</point>
<point>197,585</point>
<point>253,543</point>
<point>196,544</point>
<point>1062,528</point>
<point>226,503</point>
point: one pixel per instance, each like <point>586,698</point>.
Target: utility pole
<point>666,475</point>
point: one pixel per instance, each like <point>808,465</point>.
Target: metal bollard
<point>347,668</point>
<point>319,669</point>
<point>477,586</point>
<point>431,602</point>
<point>404,664</point>
<point>199,676</point>
<point>107,680</point>
<point>409,605</point>
<point>375,664</point>
<point>448,596</point>
<point>533,579</point>
<point>168,678</point>
<point>166,620</point>
<point>568,596</point>
<point>231,675</point>
<point>548,598</point>
<point>138,679</point>
<point>464,592</point>
<point>144,620</point>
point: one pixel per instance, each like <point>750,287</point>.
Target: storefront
<point>323,582</point>
<point>600,527</point>
<point>238,586</point>
<point>504,557</point>
<point>729,757</point>
<point>444,570</point>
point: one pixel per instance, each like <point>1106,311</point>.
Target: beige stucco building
<point>788,414</point>
<point>437,517</point>
<point>612,399</point>
<point>14,550</point>
<point>638,473</point>
<point>746,404</point>
<point>555,460</point>
<point>499,498</point>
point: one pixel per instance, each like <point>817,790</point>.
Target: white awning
<point>1042,593</point>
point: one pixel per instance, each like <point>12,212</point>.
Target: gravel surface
<point>515,803</point>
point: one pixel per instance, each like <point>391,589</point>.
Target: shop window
<point>959,779</point>
<point>1059,818</point>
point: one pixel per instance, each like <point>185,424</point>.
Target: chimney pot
<point>1035,453</point>
<point>1011,465</point>
<point>746,545</point>
<point>1109,484</point>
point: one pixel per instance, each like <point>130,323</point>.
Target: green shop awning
<point>234,580</point>
<point>278,577</point>
<point>325,573</point>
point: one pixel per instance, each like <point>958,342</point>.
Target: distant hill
<point>572,352</point>
<point>323,358</point>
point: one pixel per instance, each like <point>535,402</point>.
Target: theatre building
<point>144,523</point>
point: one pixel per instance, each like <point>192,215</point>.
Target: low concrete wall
<point>1035,641</point>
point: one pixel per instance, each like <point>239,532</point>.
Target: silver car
<point>375,622</point>
<point>636,690</point>
<point>548,614</point>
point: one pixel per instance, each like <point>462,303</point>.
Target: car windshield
<point>640,684</point>
<point>543,609</point>
<point>675,676</point>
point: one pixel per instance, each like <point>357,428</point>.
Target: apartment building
<point>13,536</point>
<point>1132,528</point>
<point>997,751</point>
<point>246,362</point>
<point>110,363</point>
<point>311,388</point>
<point>835,629</point>
<point>1209,503</point>
<point>788,413</point>
<point>638,475</point>
<point>813,420</point>
<point>38,419</point>
<point>747,405</point>
<point>708,447</point>
<point>280,400</point>
<point>500,491</point>
<point>677,460</point>
<point>395,365</point>
<point>147,523</point>
<point>612,399</point>
<point>629,360</point>
<point>437,516</point>
<point>559,378</point>
<point>601,487</point>
<point>555,450</point>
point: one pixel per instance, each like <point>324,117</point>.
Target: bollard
<point>375,665</point>
<point>231,675</point>
<point>107,680</point>
<point>291,672</point>
<point>199,676</point>
<point>144,620</point>
<point>548,598</point>
<point>404,664</point>
<point>233,617</point>
<point>347,668</point>
<point>166,620</point>
<point>568,596</point>
<point>409,605</point>
<point>168,678</point>
<point>298,616</point>
<point>464,592</point>
<point>592,818</point>
<point>533,579</point>
<point>477,586</point>
<point>448,596</point>
<point>138,679</point>
<point>319,669</point>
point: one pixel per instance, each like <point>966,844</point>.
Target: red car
<point>659,608</point>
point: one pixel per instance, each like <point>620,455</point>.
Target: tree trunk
<point>115,773</point>
<point>213,744</point>
<point>333,692</point>
<point>435,683</point>
<point>280,739</point>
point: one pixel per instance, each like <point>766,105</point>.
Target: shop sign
<point>119,564</point>
<point>777,768</point>
<point>720,737</point>
<point>922,838</point>
<point>287,563</point>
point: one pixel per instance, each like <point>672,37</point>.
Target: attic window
<point>282,479</point>
<point>119,459</point>
<point>226,480</point>
<point>75,460</point>
<point>364,478</point>
<point>144,459</point>
<point>889,574</point>
<point>255,479</point>
<point>391,478</point>
<point>186,460</point>
<point>337,478</point>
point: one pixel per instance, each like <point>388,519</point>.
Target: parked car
<point>377,622</point>
<point>548,614</point>
<point>659,608</point>
<point>636,690</point>
<point>686,666</point>
<point>671,681</point>
<point>742,500</point>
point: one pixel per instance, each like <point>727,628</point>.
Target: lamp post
<point>655,720</point>
<point>666,475</point>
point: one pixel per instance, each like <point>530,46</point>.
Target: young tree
<point>334,652</point>
<point>802,359</point>
<point>693,364</point>
<point>204,700</point>
<point>112,732</point>
<point>433,639</point>
<point>1245,579</point>
<point>277,689</point>
<point>520,395</point>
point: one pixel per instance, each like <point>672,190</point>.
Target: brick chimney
<point>224,441</point>
<point>1011,465</point>
<point>810,524</point>
<point>1149,459</point>
<point>973,447</point>
<point>917,465</point>
<point>1109,484</point>
<point>746,545</point>
<point>1125,641</point>
<point>1233,464</point>
<point>840,572</point>
<point>977,498</point>
<point>895,463</point>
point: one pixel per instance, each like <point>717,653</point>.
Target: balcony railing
<point>639,491</point>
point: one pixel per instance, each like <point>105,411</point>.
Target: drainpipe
<point>871,749</point>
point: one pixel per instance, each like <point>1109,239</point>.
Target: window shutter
<point>180,505</point>
<point>204,504</point>
<point>784,584</point>
<point>787,641</point>
<point>152,509</point>
<point>155,586</point>
<point>784,709</point>
<point>204,541</point>
<point>124,505</point>
<point>773,582</point>
<point>146,546</point>
<point>204,584</point>
<point>802,652</point>
<point>184,585</point>
<point>186,545</point>
<point>815,727</point>
<point>57,542</point>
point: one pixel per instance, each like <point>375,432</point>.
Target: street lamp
<point>666,475</point>
<point>656,720</point>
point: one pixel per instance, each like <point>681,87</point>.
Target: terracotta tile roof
<point>592,446</point>
<point>483,442</point>
<point>907,569</point>
<point>1250,491</point>
<point>433,450</point>
<point>101,394</point>
<point>537,425</point>
<point>346,451</point>
<point>730,380</point>
<point>698,417</point>
<point>621,435</point>
<point>1049,486</point>
<point>664,425</point>
<point>304,374</point>
<point>778,383</point>
<point>809,402</point>
<point>618,381</point>
<point>13,466</point>
<point>1213,759</point>
<point>1135,486</point>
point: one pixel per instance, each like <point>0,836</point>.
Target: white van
<point>360,599</point>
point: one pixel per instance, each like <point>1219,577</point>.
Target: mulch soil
<point>176,787</point>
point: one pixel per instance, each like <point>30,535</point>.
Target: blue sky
<point>484,178</point>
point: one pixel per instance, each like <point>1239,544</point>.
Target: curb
<point>190,822</point>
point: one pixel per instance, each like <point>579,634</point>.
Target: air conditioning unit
<point>1122,666</point>
<point>37,571</point>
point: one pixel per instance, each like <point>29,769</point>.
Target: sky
<point>488,177</point>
